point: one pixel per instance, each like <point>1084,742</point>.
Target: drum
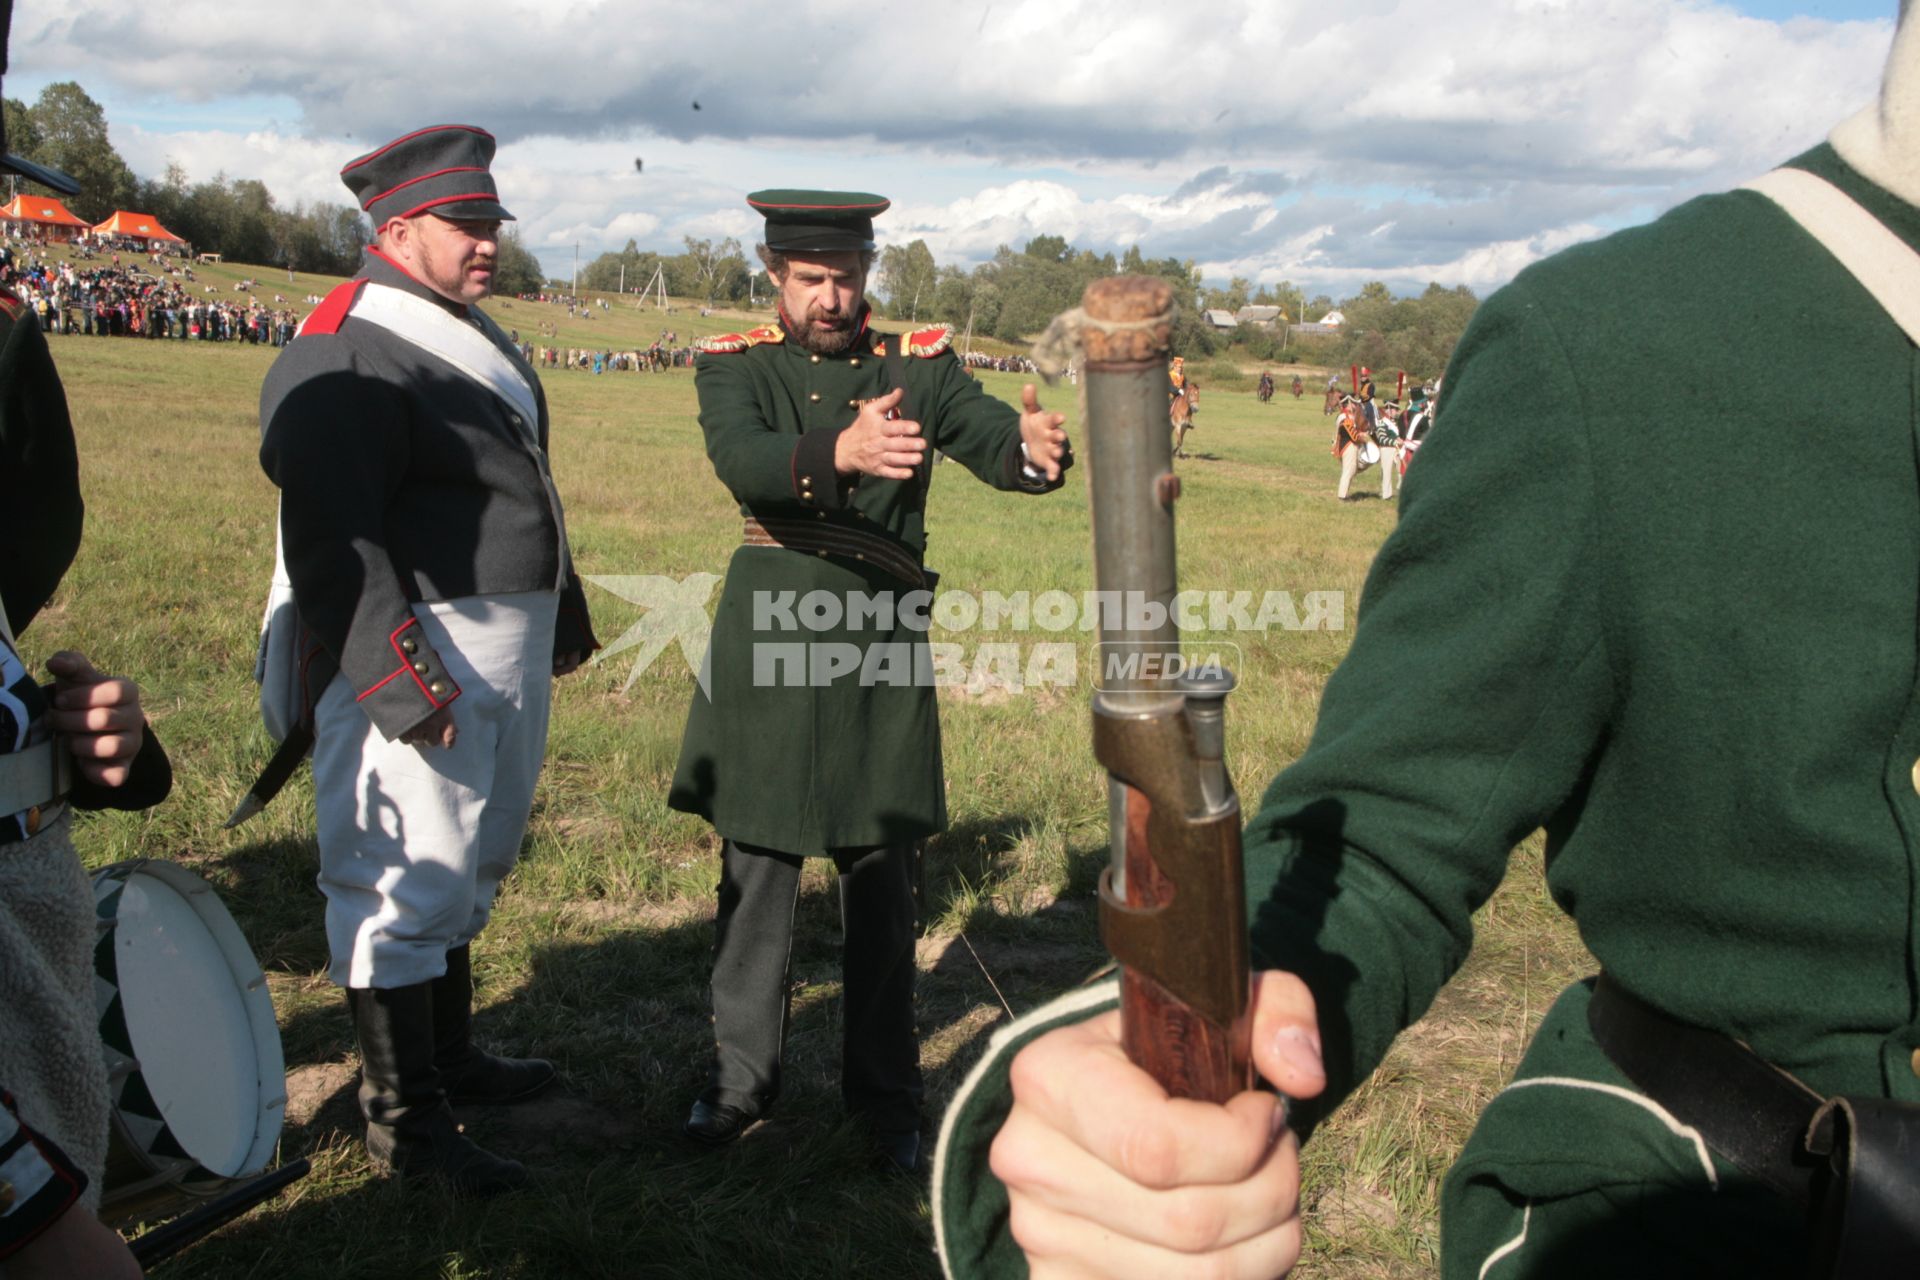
<point>195,1074</point>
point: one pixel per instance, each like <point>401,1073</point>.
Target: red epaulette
<point>333,309</point>
<point>928,343</point>
<point>724,344</point>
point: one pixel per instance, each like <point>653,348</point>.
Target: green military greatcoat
<point>1677,630</point>
<point>784,746</point>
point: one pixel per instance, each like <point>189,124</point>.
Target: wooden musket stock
<point>1173,902</point>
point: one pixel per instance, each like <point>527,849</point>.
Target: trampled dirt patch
<point>324,1092</point>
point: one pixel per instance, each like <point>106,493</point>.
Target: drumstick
<point>161,1243</point>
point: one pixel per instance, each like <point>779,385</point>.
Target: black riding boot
<point>470,1075</point>
<point>410,1128</point>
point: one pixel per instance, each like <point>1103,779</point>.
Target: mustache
<point>483,264</point>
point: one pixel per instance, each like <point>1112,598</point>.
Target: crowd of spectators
<point>101,293</point>
<point>999,364</point>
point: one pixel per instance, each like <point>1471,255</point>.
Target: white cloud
<point>1425,136</point>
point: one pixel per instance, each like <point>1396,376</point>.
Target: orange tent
<point>140,226</point>
<point>44,212</point>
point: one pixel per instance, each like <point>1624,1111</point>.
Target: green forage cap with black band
<point>818,221</point>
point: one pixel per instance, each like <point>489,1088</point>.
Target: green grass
<point>598,950</point>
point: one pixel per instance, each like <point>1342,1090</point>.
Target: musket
<point>1173,901</point>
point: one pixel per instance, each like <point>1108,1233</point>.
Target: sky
<point>1406,141</point>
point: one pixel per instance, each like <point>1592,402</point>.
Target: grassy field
<point>597,954</point>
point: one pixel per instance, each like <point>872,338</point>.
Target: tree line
<point>1013,295</point>
<point>1010,297</point>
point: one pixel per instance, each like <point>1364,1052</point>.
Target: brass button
<point>821,554</point>
<point>421,667</point>
<point>410,645</point>
<point>6,1195</point>
<point>820,515</point>
<point>438,688</point>
<point>859,555</point>
<point>33,821</point>
<point>1916,775</point>
<point>853,404</point>
<point>855,362</point>
<point>813,359</point>
<point>814,397</point>
<point>1914,1062</point>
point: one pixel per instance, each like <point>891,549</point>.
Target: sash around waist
<point>822,538</point>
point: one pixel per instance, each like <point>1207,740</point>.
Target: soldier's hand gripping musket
<point>1172,903</point>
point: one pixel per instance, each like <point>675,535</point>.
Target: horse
<point>1332,404</point>
<point>1299,387</point>
<point>1180,414</point>
<point>1266,388</point>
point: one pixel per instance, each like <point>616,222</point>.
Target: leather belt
<point>1750,1112</point>
<point>822,538</point>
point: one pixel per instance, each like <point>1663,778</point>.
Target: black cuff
<point>1013,471</point>
<point>572,628</point>
<point>816,484</point>
<point>147,784</point>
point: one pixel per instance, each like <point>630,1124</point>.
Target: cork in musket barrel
<point>1128,300</point>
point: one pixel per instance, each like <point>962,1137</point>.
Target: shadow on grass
<point>618,1191</point>
<point>620,1003</point>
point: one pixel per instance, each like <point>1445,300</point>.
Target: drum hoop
<point>250,983</point>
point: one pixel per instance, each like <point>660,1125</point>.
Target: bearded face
<point>820,296</point>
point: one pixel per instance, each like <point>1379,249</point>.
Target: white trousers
<point>414,841</point>
<point>1350,466</point>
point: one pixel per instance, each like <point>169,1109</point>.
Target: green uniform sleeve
<point>1466,713</point>
<point>760,464</point>
<point>979,431</point>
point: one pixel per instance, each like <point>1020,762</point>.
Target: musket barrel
<point>1133,553</point>
<point>1130,459</point>
<point>1172,901</point>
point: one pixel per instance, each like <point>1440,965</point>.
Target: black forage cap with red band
<point>818,221</point>
<point>441,170</point>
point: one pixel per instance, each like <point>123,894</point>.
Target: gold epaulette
<point>928,343</point>
<point>721,344</point>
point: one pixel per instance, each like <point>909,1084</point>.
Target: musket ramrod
<point>1173,901</point>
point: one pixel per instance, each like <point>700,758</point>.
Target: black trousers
<point>880,1056</point>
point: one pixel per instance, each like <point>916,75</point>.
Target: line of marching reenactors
<point>1367,430</point>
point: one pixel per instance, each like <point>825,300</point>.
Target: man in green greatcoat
<point>1708,695</point>
<point>815,732</point>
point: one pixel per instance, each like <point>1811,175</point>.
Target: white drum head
<point>208,1079</point>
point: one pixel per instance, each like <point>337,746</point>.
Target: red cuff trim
<point>406,666</point>
<point>384,683</point>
